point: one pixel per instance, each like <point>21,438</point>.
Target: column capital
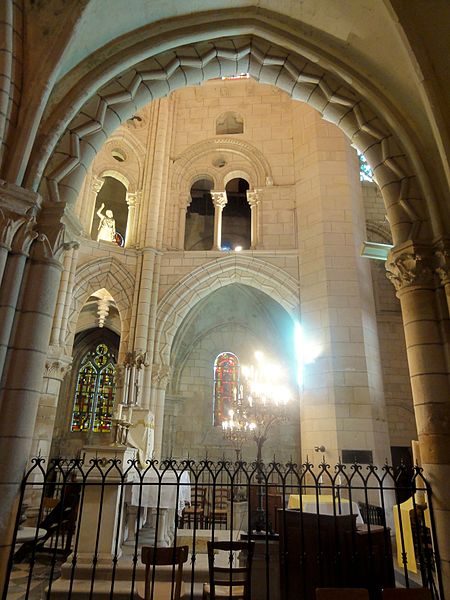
<point>219,199</point>
<point>442,254</point>
<point>134,198</point>
<point>411,265</point>
<point>58,231</point>
<point>160,375</point>
<point>97,184</point>
<point>56,367</point>
<point>253,197</point>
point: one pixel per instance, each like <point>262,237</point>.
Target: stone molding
<point>304,80</point>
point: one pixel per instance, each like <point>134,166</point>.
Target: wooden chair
<point>196,509</point>
<point>171,589</point>
<point>406,594</point>
<point>232,581</point>
<point>218,514</point>
<point>342,594</point>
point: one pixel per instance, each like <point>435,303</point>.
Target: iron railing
<point>314,526</point>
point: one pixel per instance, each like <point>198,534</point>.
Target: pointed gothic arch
<point>176,304</point>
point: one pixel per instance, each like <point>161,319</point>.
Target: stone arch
<point>306,72</point>
<point>106,273</point>
<point>253,161</point>
<point>116,174</point>
<point>176,304</point>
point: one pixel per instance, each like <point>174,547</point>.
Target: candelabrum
<point>259,402</point>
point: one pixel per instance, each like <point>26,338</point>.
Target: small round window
<point>118,155</point>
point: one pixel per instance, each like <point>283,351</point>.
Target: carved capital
<point>134,198</point>
<point>97,184</point>
<point>160,375</point>
<point>58,232</point>
<point>442,255</point>
<point>57,368</point>
<point>219,199</point>
<point>253,198</point>
<point>410,268</point>
<point>16,231</point>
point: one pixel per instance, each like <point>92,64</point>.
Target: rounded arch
<point>176,304</point>
<point>271,54</point>
<point>236,174</point>
<point>116,174</point>
<point>106,273</point>
<point>253,163</point>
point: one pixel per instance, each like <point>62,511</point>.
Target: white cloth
<point>168,496</point>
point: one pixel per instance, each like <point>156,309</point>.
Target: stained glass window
<point>94,392</point>
<point>226,381</point>
<point>365,172</point>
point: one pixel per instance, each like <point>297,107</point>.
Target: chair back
<point>342,594</point>
<point>152,557</point>
<point>233,580</point>
<point>406,594</point>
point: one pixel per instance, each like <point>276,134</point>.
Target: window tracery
<point>226,381</point>
<point>94,391</point>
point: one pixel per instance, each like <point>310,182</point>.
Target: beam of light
<point>306,351</point>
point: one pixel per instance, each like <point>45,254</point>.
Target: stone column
<point>96,186</point>
<point>219,201</point>
<point>254,201</point>
<point>56,368</point>
<point>12,282</point>
<point>160,377</point>
<point>21,387</point>
<point>411,268</point>
<point>133,202</point>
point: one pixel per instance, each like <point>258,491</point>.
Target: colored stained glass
<point>226,381</point>
<point>94,392</point>
<point>365,172</point>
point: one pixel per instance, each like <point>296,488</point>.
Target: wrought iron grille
<point>313,526</point>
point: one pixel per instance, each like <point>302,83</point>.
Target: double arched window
<point>226,381</point>
<point>94,391</point>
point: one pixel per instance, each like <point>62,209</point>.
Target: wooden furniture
<point>406,594</point>
<point>270,503</point>
<point>195,510</point>
<point>342,594</point>
<point>218,513</point>
<point>227,577</point>
<point>319,551</point>
<point>153,587</point>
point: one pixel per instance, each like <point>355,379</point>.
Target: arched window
<point>111,212</point>
<point>94,391</point>
<point>199,232</point>
<point>226,381</point>
<point>236,216</point>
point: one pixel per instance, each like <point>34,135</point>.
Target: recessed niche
<point>118,155</point>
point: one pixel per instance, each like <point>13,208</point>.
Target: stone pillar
<point>17,220</point>
<point>254,201</point>
<point>160,377</point>
<point>96,186</point>
<point>219,201</point>
<point>133,202</point>
<point>411,268</point>
<point>56,368</point>
<point>27,353</point>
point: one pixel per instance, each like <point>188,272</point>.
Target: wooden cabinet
<point>328,551</point>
